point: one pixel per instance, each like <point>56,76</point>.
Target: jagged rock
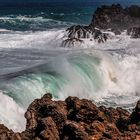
<point>50,131</point>
<point>81,110</point>
<point>5,133</point>
<point>135,116</point>
<point>72,131</point>
<point>76,34</point>
<point>71,42</point>
<point>133,11</point>
<point>111,131</point>
<point>116,17</point>
<point>42,109</point>
<point>79,32</point>
<point>134,32</point>
<point>75,119</point>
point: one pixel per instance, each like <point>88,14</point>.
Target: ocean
<point>33,61</point>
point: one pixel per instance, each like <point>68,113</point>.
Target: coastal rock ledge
<point>106,19</point>
<point>75,119</point>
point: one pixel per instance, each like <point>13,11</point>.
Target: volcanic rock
<point>76,119</point>
<point>81,32</point>
<point>114,18</point>
<point>134,32</point>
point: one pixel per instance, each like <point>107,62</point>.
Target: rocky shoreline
<point>76,119</point>
<point>106,19</point>
<point>81,119</point>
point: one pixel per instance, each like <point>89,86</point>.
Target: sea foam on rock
<point>134,32</point>
<point>115,18</point>
<point>75,119</point>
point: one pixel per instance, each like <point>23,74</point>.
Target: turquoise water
<point>37,18</point>
<point>57,15</point>
<point>33,61</point>
<point>52,77</point>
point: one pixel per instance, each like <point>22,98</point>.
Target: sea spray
<point>11,114</point>
<point>86,74</point>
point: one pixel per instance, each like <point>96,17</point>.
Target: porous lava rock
<point>75,119</point>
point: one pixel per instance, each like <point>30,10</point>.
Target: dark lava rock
<point>71,42</point>
<point>76,119</point>
<point>116,17</point>
<point>135,116</point>
<point>77,33</point>
<point>134,32</point>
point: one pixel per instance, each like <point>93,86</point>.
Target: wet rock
<point>134,32</point>
<point>135,116</point>
<point>77,33</point>
<point>116,17</point>
<point>70,42</point>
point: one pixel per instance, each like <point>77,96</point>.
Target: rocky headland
<point>76,119</point>
<point>112,18</point>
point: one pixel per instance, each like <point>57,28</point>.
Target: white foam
<point>11,114</point>
<point>46,39</point>
<point>120,72</point>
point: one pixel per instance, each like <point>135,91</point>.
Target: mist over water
<point>33,61</point>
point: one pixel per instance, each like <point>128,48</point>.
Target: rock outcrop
<point>114,18</point>
<point>75,119</point>
<point>87,32</point>
<point>134,32</point>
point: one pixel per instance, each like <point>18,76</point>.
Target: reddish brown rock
<point>49,131</point>
<point>72,131</point>
<point>81,110</point>
<point>5,133</point>
<point>76,119</point>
